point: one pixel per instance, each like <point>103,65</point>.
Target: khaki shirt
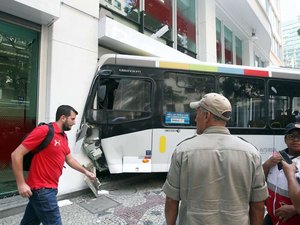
<point>215,175</point>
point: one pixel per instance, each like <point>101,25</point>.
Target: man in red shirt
<point>46,168</point>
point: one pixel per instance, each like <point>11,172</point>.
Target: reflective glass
<point>238,51</point>
<point>228,45</point>
<point>158,13</point>
<point>284,102</point>
<point>219,41</point>
<point>186,24</point>
<point>128,8</point>
<point>247,97</point>
<point>180,89</point>
<point>120,98</point>
<point>19,49</point>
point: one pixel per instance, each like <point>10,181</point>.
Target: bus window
<point>125,99</point>
<point>284,102</point>
<point>178,91</point>
<point>247,97</point>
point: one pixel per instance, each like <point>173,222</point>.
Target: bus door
<point>117,130</point>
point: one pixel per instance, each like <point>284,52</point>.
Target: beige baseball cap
<point>215,103</point>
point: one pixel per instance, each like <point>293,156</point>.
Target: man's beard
<point>65,127</point>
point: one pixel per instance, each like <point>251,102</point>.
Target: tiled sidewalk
<point>140,203</point>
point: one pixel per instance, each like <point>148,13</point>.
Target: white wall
<point>72,59</point>
<point>206,38</point>
<point>41,11</point>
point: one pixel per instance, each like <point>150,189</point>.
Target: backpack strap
<point>47,139</point>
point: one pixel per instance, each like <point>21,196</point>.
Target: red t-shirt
<point>280,200</point>
<point>46,166</point>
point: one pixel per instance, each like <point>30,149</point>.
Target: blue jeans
<point>42,208</point>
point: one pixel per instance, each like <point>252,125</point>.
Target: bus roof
<point>196,65</point>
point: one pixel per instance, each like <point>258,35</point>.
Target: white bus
<point>137,109</point>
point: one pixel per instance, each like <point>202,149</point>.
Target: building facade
<point>49,52</point>
<point>291,33</point>
<point>291,43</point>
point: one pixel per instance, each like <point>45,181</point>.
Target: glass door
<point>19,49</point>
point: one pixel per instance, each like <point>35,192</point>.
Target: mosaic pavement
<point>133,204</point>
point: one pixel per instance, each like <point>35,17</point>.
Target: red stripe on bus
<point>257,73</point>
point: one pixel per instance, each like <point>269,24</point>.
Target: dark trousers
<point>42,208</point>
<point>267,220</point>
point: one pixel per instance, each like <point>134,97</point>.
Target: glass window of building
<point>228,45</point>
<point>158,14</point>
<point>186,25</point>
<point>129,8</point>
<point>238,51</point>
<point>258,62</point>
<point>219,41</point>
<point>229,48</point>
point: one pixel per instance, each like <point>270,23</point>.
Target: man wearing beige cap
<point>216,177</point>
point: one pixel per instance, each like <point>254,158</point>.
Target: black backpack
<point>29,156</point>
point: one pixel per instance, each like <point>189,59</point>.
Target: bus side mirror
<point>101,93</point>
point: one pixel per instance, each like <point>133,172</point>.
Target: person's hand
<point>285,212</point>
<point>24,190</point>
<point>289,169</point>
<point>90,175</point>
<point>274,159</point>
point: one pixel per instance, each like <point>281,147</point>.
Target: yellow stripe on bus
<point>172,65</point>
<point>162,144</point>
<point>185,66</point>
<point>203,68</point>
